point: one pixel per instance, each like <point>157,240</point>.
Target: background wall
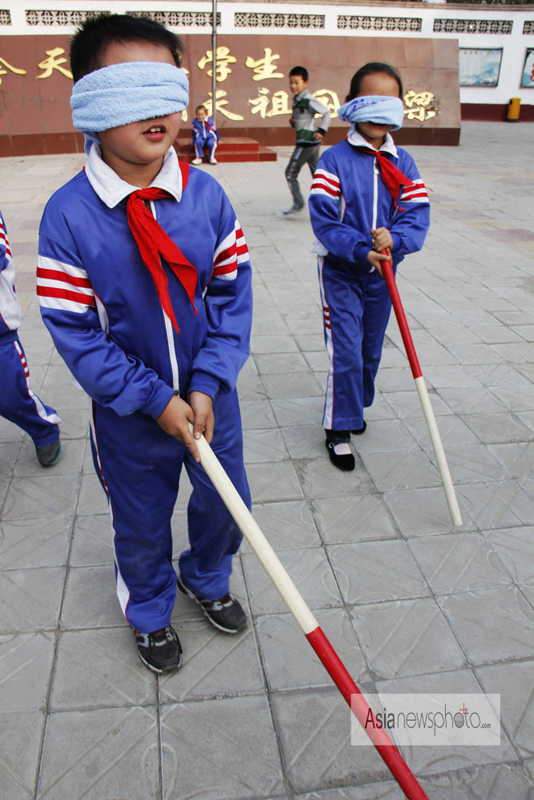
<point>473,26</point>
<point>257,45</point>
<point>253,97</point>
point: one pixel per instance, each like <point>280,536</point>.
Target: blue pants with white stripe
<point>139,466</point>
<point>356,309</point>
<point>209,141</point>
<point>18,403</point>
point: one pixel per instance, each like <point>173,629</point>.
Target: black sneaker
<point>226,613</point>
<point>337,444</point>
<point>50,454</point>
<point>161,650</point>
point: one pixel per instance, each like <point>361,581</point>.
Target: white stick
<point>254,536</point>
<point>437,444</point>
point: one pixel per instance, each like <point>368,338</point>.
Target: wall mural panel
<point>252,97</point>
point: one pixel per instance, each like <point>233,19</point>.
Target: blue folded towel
<point>127,92</point>
<point>381,109</point>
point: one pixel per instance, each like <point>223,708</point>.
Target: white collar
<point>356,139</point>
<point>111,189</point>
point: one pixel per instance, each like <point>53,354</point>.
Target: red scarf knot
<point>393,178</point>
<point>154,244</point>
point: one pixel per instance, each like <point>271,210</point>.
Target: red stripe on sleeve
<point>228,253</point>
<point>56,275</point>
<point>327,189</point>
<point>322,177</point>
<point>76,297</point>
<point>224,270</point>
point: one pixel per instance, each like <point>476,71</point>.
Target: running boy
<point>367,196</point>
<point>205,135</point>
<point>145,285</point>
<point>309,135</point>
<point>18,403</point>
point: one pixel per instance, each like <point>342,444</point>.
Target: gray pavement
<point>410,603</point>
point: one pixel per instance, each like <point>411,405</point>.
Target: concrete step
<point>234,148</point>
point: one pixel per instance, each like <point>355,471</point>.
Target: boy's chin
<point>374,129</point>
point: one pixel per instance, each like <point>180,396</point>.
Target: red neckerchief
<point>154,244</point>
<point>392,176</point>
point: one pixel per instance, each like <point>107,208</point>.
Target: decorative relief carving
<point>528,26</point>
<point>5,17</point>
<point>252,19</point>
<point>46,17</point>
<point>379,23</point>
<point>182,19</point>
<point>473,26</point>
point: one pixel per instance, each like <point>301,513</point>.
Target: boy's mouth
<point>155,133</point>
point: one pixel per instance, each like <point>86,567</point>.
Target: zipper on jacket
<point>375,193</point>
<point>169,330</point>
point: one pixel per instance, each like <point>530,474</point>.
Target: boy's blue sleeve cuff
<point>360,253</point>
<point>396,241</point>
<point>203,382</point>
<point>158,400</point>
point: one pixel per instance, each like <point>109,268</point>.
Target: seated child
<point>367,196</point>
<point>145,286</point>
<point>205,135</point>
<point>18,403</point>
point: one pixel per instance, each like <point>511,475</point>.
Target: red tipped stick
<point>422,392</point>
<point>307,622</point>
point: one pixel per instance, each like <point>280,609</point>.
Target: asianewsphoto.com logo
<point>432,719</point>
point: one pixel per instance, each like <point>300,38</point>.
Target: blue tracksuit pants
<point>210,141</point>
<point>18,403</point>
<point>356,309</point>
<point>139,466</point>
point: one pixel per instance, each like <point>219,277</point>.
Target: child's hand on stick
<point>381,239</point>
<point>202,405</point>
<point>375,259</point>
<point>176,415</point>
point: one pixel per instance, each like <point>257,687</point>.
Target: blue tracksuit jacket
<point>348,197</point>
<point>18,403</point>
<point>101,306</point>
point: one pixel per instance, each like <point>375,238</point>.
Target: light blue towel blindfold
<point>373,108</point>
<point>127,92</point>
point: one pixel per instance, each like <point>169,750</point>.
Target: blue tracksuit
<point>348,197</point>
<point>204,134</point>
<point>18,403</point>
<point>101,306</point>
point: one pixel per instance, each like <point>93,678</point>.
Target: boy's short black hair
<point>97,33</point>
<point>371,69</point>
<point>199,107</point>
<point>302,71</point>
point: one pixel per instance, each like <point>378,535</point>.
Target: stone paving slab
<point>411,603</point>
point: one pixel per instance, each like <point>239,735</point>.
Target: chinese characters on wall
<point>52,62</point>
<point>263,102</point>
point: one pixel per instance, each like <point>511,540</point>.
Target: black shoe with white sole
<point>226,613</point>
<point>338,445</point>
<point>161,650</point>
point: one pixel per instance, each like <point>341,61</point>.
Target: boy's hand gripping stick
<point>307,622</point>
<point>422,391</point>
